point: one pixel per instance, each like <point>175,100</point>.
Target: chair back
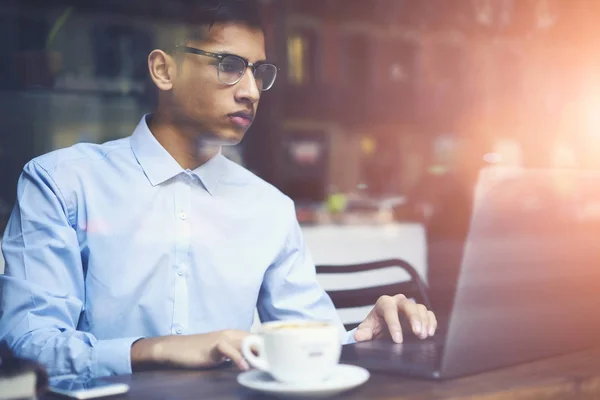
<point>356,296</point>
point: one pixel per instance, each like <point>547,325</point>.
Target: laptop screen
<point>529,275</point>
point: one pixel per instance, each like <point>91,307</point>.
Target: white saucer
<point>345,377</point>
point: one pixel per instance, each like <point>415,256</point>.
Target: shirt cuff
<point>350,338</point>
<point>113,357</point>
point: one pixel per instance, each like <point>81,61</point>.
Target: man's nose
<point>247,88</point>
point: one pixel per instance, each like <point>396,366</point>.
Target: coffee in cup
<point>295,352</point>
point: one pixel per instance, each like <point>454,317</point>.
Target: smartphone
<point>78,389</point>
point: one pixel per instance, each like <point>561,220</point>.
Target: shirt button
<point>179,330</point>
<point>181,270</point>
<point>182,216</point>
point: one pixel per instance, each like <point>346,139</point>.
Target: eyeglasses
<point>231,68</point>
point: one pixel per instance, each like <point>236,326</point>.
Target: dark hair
<point>203,14</point>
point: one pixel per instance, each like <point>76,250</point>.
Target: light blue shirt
<point>110,243</point>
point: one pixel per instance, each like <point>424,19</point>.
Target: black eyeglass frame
<point>221,56</point>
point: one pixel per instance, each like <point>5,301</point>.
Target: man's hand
<point>383,320</point>
<point>192,351</point>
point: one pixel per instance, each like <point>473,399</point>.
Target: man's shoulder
<point>80,154</point>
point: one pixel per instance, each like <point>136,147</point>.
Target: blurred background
<point>383,112</point>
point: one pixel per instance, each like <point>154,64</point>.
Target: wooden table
<point>573,376</point>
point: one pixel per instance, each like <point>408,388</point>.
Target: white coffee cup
<point>295,352</point>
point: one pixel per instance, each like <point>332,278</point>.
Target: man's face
<point>216,111</point>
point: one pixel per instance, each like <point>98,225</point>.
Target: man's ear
<point>162,68</point>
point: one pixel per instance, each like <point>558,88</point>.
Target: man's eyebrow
<point>225,52</point>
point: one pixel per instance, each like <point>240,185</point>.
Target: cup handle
<point>259,361</point>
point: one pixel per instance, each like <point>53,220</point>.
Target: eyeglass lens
<point>232,68</point>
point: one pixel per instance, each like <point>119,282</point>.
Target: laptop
<point>528,285</point>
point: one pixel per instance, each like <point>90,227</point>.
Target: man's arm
<point>290,288</point>
<point>42,294</point>
<point>189,351</point>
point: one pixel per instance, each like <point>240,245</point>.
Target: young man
<point>155,250</point>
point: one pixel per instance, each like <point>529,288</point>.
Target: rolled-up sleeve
<point>42,293</point>
<point>290,289</point>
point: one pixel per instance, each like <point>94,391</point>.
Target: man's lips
<point>241,118</point>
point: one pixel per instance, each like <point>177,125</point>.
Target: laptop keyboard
<point>419,356</point>
<point>424,354</point>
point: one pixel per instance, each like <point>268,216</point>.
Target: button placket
<point>182,248</point>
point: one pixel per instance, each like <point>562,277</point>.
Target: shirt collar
<point>159,166</point>
<point>211,172</point>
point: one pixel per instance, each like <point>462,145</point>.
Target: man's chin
<point>222,139</point>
